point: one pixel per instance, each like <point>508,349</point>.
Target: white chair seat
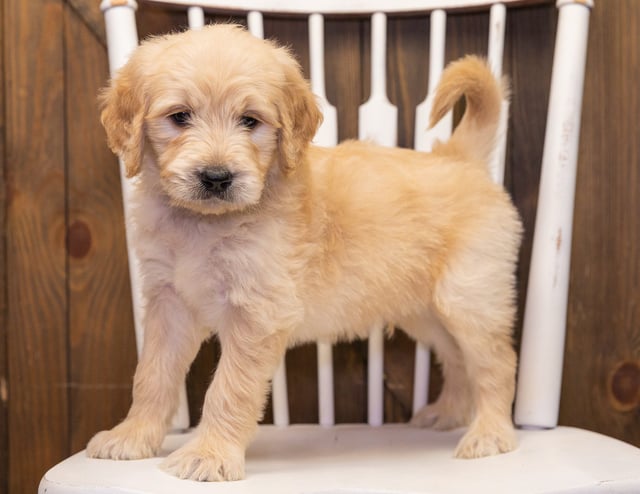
<point>393,458</point>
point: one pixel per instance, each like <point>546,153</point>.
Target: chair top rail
<point>351,7</point>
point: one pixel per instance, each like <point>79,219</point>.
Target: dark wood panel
<point>350,382</point>
<point>88,11</point>
<point>4,376</point>
<point>36,261</point>
<point>530,34</point>
<point>302,384</point>
<point>199,377</point>
<point>601,388</point>
<point>407,70</point>
<point>153,19</point>
<point>345,86</point>
<point>100,314</point>
<point>399,358</point>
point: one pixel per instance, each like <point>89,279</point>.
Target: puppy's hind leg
<point>479,317</point>
<point>170,344</point>
<point>454,406</point>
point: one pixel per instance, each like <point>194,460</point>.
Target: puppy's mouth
<point>212,189</point>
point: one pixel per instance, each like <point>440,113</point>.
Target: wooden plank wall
<point>4,399</point>
<point>37,303</point>
<point>66,342</point>
<point>603,345</point>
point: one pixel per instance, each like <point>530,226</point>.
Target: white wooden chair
<point>378,458</point>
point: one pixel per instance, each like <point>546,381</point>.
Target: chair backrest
<point>538,394</point>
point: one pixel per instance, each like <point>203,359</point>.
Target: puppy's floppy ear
<point>123,111</point>
<point>299,114</point>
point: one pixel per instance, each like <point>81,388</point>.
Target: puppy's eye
<point>181,118</point>
<point>248,122</point>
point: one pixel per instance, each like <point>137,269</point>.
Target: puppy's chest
<point>223,269</point>
<point>196,277</point>
<point>205,270</point>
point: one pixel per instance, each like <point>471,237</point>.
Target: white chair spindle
<point>375,376</point>
<point>120,47</point>
<point>377,121</point>
<point>421,371</point>
<point>195,17</point>
<point>327,134</point>
<point>122,34</point>
<point>543,335</point>
<point>255,24</point>
<point>122,42</point>
<point>424,136</point>
<point>497,22</point>
<point>279,395</point>
<point>326,408</point>
<point>423,141</point>
<point>378,117</point>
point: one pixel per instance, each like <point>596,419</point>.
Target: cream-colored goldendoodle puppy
<point>246,230</point>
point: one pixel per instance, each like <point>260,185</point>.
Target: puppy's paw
<point>130,440</point>
<point>440,418</point>
<point>196,461</point>
<point>482,441</point>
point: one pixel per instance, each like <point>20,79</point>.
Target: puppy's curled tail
<point>475,136</point>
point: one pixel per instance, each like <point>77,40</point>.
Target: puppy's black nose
<point>216,179</point>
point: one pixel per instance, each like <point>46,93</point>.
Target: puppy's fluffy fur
<point>247,231</point>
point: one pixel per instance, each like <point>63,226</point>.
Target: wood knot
<point>624,386</point>
<point>78,239</point>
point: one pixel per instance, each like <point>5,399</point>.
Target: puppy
<point>246,230</point>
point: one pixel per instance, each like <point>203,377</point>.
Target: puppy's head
<point>213,113</point>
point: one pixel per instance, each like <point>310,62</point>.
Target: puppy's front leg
<point>233,405</point>
<point>170,344</point>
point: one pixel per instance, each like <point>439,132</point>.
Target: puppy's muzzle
<point>216,181</point>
